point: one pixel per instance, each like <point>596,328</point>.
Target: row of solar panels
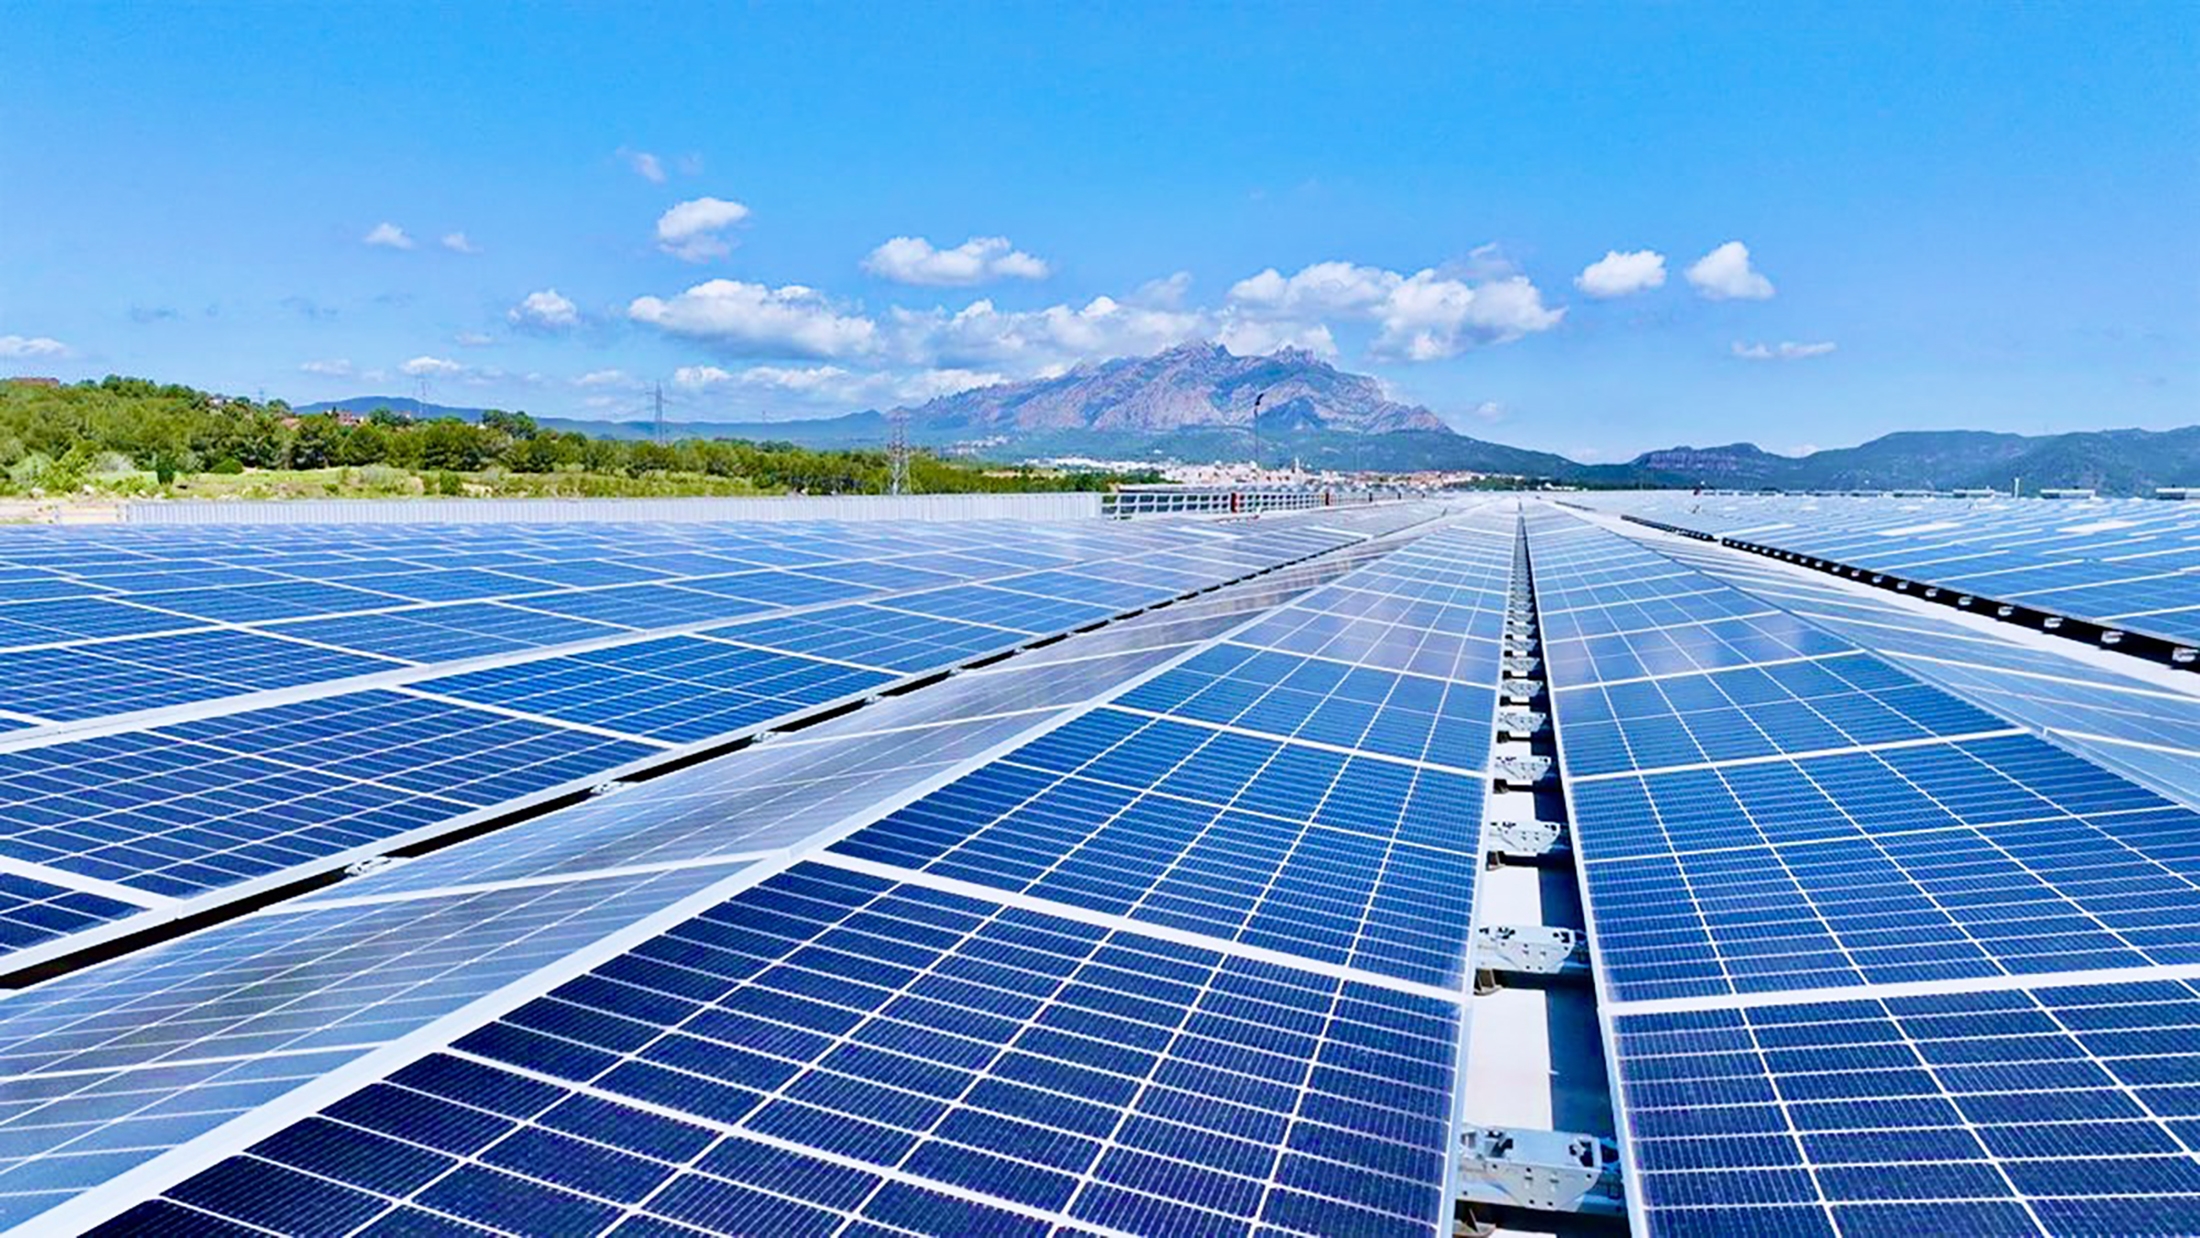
<point>2128,564</point>
<point>1871,957</point>
<point>1181,953</point>
<point>116,821</point>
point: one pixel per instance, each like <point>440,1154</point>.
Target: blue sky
<point>1955,215</point>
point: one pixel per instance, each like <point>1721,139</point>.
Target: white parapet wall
<point>925,507</point>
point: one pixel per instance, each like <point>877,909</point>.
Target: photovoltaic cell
<point>828,1046</point>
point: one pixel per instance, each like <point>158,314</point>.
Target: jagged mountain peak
<point>1189,386</point>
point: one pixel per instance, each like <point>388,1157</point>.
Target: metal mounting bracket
<point>1522,837</point>
<point>1549,1171</point>
<point>1520,665</point>
<point>609,788</point>
<point>1520,772</point>
<point>1519,691</point>
<point>1531,949</point>
<point>372,864</point>
<point>1519,723</point>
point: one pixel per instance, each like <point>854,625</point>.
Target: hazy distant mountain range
<point>1195,402</point>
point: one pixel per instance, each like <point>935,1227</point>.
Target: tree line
<point>54,438</point>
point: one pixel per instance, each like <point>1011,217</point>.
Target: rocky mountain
<point>1187,387</point>
<point>1195,402</point>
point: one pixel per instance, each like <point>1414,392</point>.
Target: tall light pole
<point>1255,426</point>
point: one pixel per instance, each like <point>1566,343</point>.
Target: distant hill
<point>1195,402</point>
<point>395,403</point>
<point>2112,461</point>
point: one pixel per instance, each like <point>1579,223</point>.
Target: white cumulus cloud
<point>645,165</point>
<point>1619,275</point>
<point>430,367</point>
<point>1786,350</point>
<point>605,378</point>
<point>696,377</point>
<point>388,236</point>
<point>544,311</point>
<point>1724,274</point>
<point>335,367</point>
<point>694,231</point>
<point>1422,317</point>
<point>982,334</point>
<point>474,339</point>
<point>457,243</point>
<point>754,320</point>
<point>32,346</point>
<point>981,259</point>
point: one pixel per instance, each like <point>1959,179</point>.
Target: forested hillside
<point>134,436</point>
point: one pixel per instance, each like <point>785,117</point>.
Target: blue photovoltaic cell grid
<point>114,677</point>
<point>33,911</point>
<point>1787,708</point>
<point>1000,608</point>
<point>924,1042</point>
<point>2063,1110</point>
<point>644,606</point>
<point>678,688</point>
<point>445,633</point>
<point>871,636</point>
<point>67,619</point>
<point>1411,716</point>
<point>111,1066</point>
<point>2118,560</point>
<point>1323,856</point>
<point>2003,856</point>
<point>188,807</point>
<point>1700,647</point>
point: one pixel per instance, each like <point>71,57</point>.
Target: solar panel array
<point>196,715</point>
<point>1163,928</point>
<point>127,1065</point>
<point>2124,563</point>
<point>1871,958</point>
<point>2141,721</point>
<point>1198,968</point>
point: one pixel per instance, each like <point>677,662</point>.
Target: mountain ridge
<point>1195,402</point>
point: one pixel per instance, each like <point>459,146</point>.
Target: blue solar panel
<point>447,633</point>
<point>828,1046</point>
<point>2063,1109</point>
<point>213,802</point>
<point>1410,716</point>
<point>34,911</point>
<point>679,688</point>
<point>875,637</point>
<point>1314,853</point>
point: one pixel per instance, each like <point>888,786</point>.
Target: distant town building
<point>2069,492</point>
<point>2177,492</point>
<point>27,380</point>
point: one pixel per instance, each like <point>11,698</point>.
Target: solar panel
<point>2061,1109</point>
<point>1845,989</point>
<point>828,1046</point>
